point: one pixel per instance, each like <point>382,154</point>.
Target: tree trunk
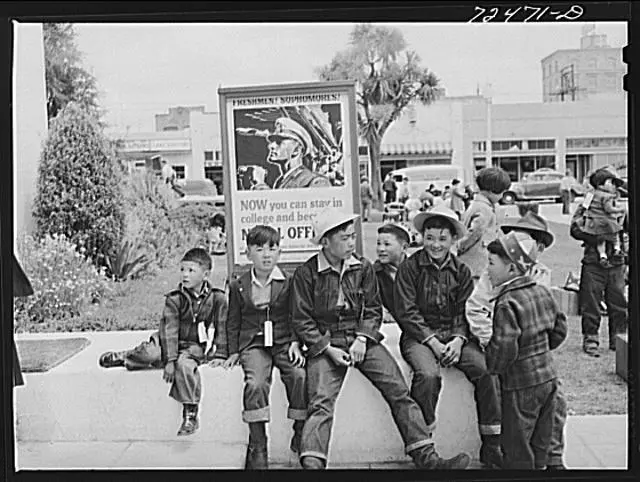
<point>376,184</point>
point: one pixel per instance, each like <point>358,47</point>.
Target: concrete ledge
<point>567,300</point>
<point>79,401</point>
<point>622,355</point>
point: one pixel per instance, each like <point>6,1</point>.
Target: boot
<point>257,454</point>
<point>257,457</point>
<point>189,419</point>
<point>296,440</point>
<point>490,452</point>
<point>112,359</point>
<point>310,462</point>
<point>427,458</point>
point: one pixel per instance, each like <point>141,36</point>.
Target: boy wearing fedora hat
<point>527,324</point>
<point>337,313</point>
<point>479,310</point>
<point>430,292</point>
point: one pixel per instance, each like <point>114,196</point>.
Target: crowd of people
<point>475,297</point>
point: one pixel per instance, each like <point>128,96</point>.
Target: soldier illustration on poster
<point>289,147</point>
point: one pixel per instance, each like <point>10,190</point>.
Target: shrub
<point>64,281</point>
<point>79,184</point>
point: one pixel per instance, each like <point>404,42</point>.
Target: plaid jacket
<point>527,324</point>
<point>181,315</point>
<point>430,301</point>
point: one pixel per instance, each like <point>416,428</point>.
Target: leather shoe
<point>111,359</point>
<point>312,463</point>
<point>257,457</point>
<point>189,420</point>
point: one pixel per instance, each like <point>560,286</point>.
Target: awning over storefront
<point>417,148</point>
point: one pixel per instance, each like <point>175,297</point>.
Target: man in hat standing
<point>288,145</point>
<point>527,325</point>
<point>430,292</point>
<point>597,281</point>
<point>336,312</point>
<point>479,311</point>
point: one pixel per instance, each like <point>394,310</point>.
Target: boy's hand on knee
<point>169,373</point>
<point>231,362</point>
<point>295,355</point>
<point>358,350</point>
<point>452,352</point>
<point>338,356</point>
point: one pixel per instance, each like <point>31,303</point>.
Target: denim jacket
<point>314,302</point>
<point>430,300</point>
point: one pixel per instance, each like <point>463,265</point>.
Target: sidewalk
<point>48,442</point>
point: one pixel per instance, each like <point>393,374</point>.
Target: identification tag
<point>268,333</point>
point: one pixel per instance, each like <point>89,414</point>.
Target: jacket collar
<point>425,260</point>
<point>323,263</point>
<point>387,267</point>
<point>484,199</point>
<point>245,282</point>
<point>275,275</point>
<point>206,288</point>
<point>512,285</point>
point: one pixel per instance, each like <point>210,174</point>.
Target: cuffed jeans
<point>144,356</point>
<point>527,424</point>
<point>257,363</point>
<point>556,446</point>
<point>427,382</point>
<point>187,386</point>
<point>595,281</point>
<point>324,382</point>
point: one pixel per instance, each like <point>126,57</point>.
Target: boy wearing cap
<point>431,289</point>
<point>336,312</point>
<point>527,324</point>
<point>260,337</point>
<point>480,219</point>
<point>598,282</point>
<point>479,310</point>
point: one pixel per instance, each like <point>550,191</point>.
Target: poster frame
<point>236,267</point>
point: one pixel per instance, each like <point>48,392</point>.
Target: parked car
<point>543,184</point>
<point>200,187</point>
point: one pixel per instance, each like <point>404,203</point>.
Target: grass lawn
<point>591,385</point>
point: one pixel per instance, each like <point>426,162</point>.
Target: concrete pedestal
<point>622,355</point>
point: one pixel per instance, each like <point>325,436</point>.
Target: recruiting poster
<point>290,151</point>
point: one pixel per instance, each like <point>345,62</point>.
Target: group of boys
<point>494,319</point>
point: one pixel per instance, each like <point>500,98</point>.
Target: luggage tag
<point>268,331</point>
<point>587,200</point>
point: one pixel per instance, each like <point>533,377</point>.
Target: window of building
<point>139,164</point>
<point>506,145</point>
<point>363,150</point>
<point>480,146</point>
<point>479,163</point>
<point>181,171</point>
<point>591,142</point>
<point>218,156</point>
<point>208,155</point>
<point>539,144</point>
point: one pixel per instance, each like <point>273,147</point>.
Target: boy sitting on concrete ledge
<point>189,322</point>
<point>431,289</point>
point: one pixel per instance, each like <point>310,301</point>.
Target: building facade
<point>593,70</point>
<point>188,138</point>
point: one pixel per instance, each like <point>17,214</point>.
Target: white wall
<point>29,120</point>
